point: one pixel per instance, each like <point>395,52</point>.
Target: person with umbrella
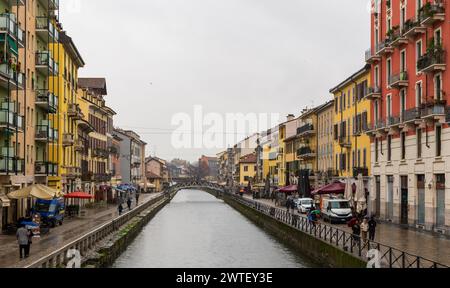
<point>129,203</point>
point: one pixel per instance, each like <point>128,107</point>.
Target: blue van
<point>51,211</point>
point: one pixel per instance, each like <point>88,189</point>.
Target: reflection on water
<point>197,230</point>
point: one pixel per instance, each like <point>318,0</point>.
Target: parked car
<point>304,205</point>
<point>336,210</point>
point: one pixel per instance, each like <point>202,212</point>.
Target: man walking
<point>137,198</point>
<point>129,203</point>
<point>23,235</point>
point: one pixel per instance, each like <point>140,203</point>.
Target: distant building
<point>208,168</point>
<point>247,168</point>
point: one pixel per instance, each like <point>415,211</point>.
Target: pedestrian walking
<point>372,228</point>
<point>30,241</point>
<point>364,229</point>
<point>22,236</point>
<point>129,203</point>
<point>120,209</point>
<point>137,198</point>
<point>288,204</point>
<point>356,229</point>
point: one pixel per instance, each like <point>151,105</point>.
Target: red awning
<point>79,195</point>
<point>333,188</point>
<point>288,189</point>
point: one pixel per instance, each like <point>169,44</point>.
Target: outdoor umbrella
<point>360,195</point>
<point>349,191</point>
<point>78,195</point>
<point>38,191</point>
<point>288,189</point>
<point>333,188</point>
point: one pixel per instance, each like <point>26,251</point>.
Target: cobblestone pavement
<point>419,243</point>
<point>59,236</point>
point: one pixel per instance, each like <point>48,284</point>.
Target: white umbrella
<point>349,191</point>
<point>360,194</point>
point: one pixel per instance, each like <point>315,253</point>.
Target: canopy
<point>349,191</point>
<point>333,188</point>
<point>38,191</point>
<point>288,189</point>
<point>79,195</point>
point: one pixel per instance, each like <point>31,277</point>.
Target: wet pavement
<point>426,245</point>
<point>60,235</point>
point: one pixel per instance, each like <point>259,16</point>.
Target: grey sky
<point>228,55</point>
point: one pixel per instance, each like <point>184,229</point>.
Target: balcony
<point>45,168</point>
<point>305,153</point>
<point>273,156</point>
<point>399,80</point>
<point>45,63</point>
<point>385,48</point>
<point>371,57</point>
<point>102,177</point>
<point>412,29</point>
<point>377,128</point>
<point>11,165</point>
<point>430,13</point>
<point>68,140</point>
<point>44,133</point>
<point>10,78</point>
<point>74,111</point>
<point>373,93</point>
<point>360,171</point>
<point>78,145</point>
<point>412,116</point>
<point>100,153</point>
<point>398,38</point>
<point>432,61</point>
<point>9,120</point>
<point>305,130</point>
<point>46,30</point>
<point>345,142</point>
<point>8,26</point>
<point>47,101</point>
<point>72,172</point>
<point>434,111</point>
<point>50,4</point>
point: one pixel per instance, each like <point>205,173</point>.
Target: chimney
<point>290,117</point>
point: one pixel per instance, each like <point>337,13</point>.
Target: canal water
<point>196,230</point>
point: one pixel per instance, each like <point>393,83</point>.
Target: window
<point>389,148</point>
<point>245,168</point>
<point>365,158</point>
<point>438,141</point>
<point>403,145</point>
<point>402,102</point>
<point>418,94</point>
<point>388,105</point>
<point>418,51</point>
<point>376,150</point>
<point>403,61</point>
<point>389,71</point>
<point>438,87</point>
<point>377,75</point>
<point>419,143</point>
<point>343,105</point>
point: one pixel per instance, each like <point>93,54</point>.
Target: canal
<point>196,230</point>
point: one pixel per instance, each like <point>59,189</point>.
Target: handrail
<point>88,240</point>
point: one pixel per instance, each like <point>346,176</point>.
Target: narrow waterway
<point>196,230</point>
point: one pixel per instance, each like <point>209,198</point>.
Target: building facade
<point>409,127</point>
<point>351,113</point>
<point>325,144</point>
<point>247,169</point>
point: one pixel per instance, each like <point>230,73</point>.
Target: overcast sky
<point>162,57</point>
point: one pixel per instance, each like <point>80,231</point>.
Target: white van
<point>336,210</point>
<point>304,205</point>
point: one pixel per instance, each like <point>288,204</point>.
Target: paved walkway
<point>60,236</point>
<point>433,247</point>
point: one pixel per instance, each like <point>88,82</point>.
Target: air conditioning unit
<point>40,169</point>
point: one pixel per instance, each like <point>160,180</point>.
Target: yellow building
<point>307,135</point>
<point>247,169</point>
<point>63,151</point>
<point>352,111</point>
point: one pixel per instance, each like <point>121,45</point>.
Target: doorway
<point>440,200</point>
<point>421,199</point>
<point>404,200</point>
<point>390,197</point>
